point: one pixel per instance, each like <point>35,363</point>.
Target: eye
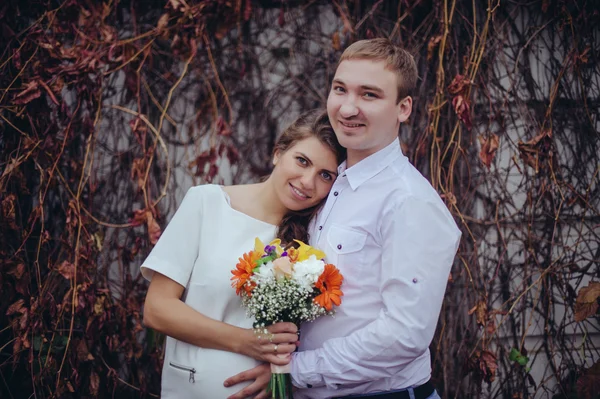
<point>302,161</point>
<point>326,176</point>
<point>370,95</point>
<point>339,89</point>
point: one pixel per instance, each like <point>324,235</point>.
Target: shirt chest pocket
<point>346,249</point>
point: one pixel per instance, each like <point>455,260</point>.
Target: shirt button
<point>335,193</point>
<point>339,246</point>
<point>415,280</point>
<point>320,227</point>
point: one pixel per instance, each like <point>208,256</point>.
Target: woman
<point>190,298</point>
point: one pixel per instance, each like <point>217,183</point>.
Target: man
<point>388,232</point>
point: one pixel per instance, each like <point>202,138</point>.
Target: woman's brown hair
<point>315,123</point>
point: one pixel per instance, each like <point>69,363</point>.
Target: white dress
<point>198,249</point>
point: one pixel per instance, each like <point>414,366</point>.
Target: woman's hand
<point>260,375</point>
<point>279,339</point>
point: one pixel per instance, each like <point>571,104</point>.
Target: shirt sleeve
<point>419,242</point>
<point>176,251</point>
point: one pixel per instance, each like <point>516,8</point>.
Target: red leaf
<point>536,150</point>
<point>18,271</point>
<point>588,385</point>
<point>586,304</point>
<point>432,45</point>
<point>459,84</point>
<point>94,383</point>
<point>248,10</point>
<point>50,93</point>
<point>154,230</point>
<point>222,127</point>
<point>463,110</point>
<point>489,146</point>
<point>16,307</point>
<point>335,41</point>
<point>163,21</point>
<point>66,269</point>
<point>488,365</point>
<point>30,93</point>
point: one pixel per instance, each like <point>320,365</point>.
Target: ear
<point>276,157</point>
<point>404,108</point>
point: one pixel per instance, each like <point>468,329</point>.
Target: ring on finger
<point>275,348</point>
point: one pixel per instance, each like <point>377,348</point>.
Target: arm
<point>419,242</point>
<point>165,312</point>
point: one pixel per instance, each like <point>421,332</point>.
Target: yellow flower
<point>305,251</point>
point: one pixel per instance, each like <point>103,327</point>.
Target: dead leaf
<point>481,312</point>
<point>432,45</point>
<point>163,21</point>
<point>94,383</point>
<point>488,365</point>
<point>8,210</point>
<point>463,110</point>
<point>588,385</point>
<point>537,150</point>
<point>586,304</point>
<point>66,269</point>
<point>459,84</point>
<point>489,146</point>
<point>18,271</point>
<point>16,307</point>
<point>30,93</point>
<point>248,10</point>
<point>335,41</point>
<point>154,230</point>
<point>281,19</point>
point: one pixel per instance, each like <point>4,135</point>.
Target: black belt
<point>421,392</point>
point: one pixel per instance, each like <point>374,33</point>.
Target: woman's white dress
<point>198,249</point>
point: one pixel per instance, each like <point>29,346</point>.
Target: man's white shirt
<point>394,241</point>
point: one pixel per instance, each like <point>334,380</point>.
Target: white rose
<point>264,273</point>
<point>307,272</point>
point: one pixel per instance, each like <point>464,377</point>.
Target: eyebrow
<point>311,162</point>
<point>363,87</point>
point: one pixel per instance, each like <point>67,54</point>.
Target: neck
<point>355,156</point>
<point>268,202</point>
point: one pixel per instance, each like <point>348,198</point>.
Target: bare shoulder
<point>238,191</point>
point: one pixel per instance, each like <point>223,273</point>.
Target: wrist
<point>244,341</point>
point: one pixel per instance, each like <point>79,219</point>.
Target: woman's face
<point>303,174</point>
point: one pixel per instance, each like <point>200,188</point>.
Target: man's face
<point>362,107</point>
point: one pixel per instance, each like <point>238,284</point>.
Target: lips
<point>299,194</point>
<point>351,125</point>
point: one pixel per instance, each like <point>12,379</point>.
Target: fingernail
<point>226,384</point>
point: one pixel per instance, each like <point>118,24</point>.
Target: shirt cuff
<point>303,370</point>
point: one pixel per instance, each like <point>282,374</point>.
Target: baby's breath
<point>275,300</point>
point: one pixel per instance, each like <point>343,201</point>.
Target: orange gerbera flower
<point>329,283</point>
<point>243,272</point>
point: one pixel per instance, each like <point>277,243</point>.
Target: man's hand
<point>260,375</point>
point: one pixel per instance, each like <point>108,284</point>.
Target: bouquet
<point>285,285</point>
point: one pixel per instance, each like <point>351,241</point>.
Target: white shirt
<point>394,241</point>
<point>198,249</point>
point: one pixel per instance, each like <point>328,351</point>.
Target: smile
<point>351,125</point>
<point>299,193</point>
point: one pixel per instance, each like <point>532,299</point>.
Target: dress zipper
<point>191,370</point>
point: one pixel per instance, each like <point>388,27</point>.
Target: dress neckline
<point>228,201</point>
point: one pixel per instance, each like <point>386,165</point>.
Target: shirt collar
<point>371,165</point>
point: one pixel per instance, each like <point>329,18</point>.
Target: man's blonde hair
<point>396,59</point>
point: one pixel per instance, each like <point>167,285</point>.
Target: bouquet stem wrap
<point>280,384</point>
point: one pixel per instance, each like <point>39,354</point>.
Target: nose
<point>308,180</point>
<point>348,108</point>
